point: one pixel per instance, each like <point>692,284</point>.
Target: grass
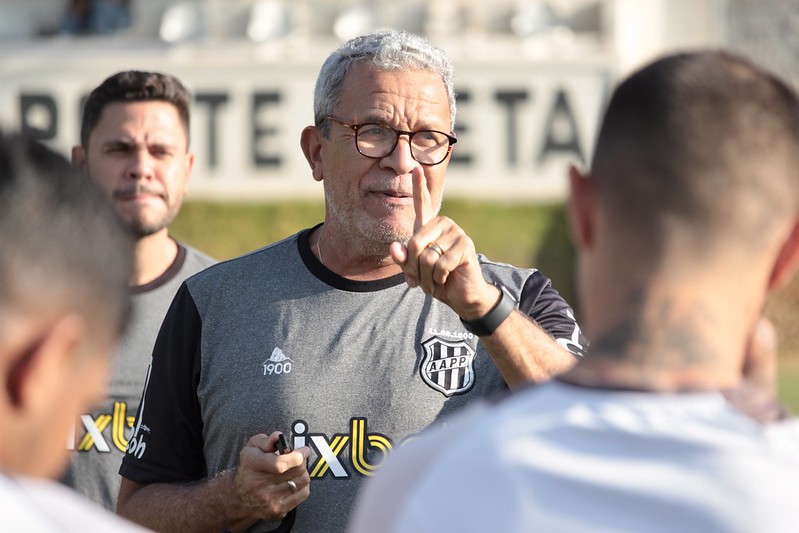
<point>523,235</point>
<point>788,383</point>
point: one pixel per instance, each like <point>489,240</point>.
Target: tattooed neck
<point>653,337</point>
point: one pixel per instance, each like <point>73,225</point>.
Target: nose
<point>400,159</point>
<point>140,165</point>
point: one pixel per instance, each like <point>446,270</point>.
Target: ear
<point>581,205</point>
<point>38,366</point>
<point>79,157</point>
<point>311,143</point>
<point>189,168</point>
<point>787,260</point>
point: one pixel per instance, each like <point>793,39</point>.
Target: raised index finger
<point>422,203</point>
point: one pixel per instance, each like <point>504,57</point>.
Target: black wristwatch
<point>488,323</point>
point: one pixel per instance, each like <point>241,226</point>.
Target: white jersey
<point>30,505</point>
<point>562,458</point>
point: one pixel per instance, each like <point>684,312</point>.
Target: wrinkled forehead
<point>396,96</point>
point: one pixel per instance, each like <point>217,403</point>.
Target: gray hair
<point>388,50</point>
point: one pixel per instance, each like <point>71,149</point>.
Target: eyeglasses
<point>376,141</point>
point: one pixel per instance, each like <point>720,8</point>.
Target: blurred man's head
<point>135,146</point>
<point>688,215</point>
<point>65,260</point>
<point>698,155</point>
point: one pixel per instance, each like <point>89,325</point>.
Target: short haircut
<point>703,142</point>
<point>62,247</point>
<point>135,86</point>
<point>385,51</point>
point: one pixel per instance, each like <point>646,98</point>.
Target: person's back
<point>564,458</point>
<point>685,221</point>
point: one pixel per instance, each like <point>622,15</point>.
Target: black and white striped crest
<point>447,366</point>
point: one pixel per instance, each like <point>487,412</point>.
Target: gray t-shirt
<point>275,341</point>
<point>101,436</point>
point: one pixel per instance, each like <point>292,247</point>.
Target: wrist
<point>480,305</point>
<point>488,321</point>
<point>229,486</point>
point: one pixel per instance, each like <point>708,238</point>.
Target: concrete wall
<point>767,31</point>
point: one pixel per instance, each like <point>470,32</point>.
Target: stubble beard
<point>372,236</point>
<point>138,226</point>
<point>140,229</point>
<point>141,226</point>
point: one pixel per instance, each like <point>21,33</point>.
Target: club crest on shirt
<point>447,366</point>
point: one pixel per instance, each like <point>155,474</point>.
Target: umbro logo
<point>278,363</point>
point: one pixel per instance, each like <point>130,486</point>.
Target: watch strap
<point>488,323</point>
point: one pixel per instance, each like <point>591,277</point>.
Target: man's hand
<point>441,259</point>
<point>756,395</point>
<point>760,359</point>
<point>261,479</point>
<point>233,500</point>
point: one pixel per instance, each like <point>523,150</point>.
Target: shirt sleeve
<point>167,444</point>
<point>543,304</point>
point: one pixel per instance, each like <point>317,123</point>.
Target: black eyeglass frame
<point>356,127</point>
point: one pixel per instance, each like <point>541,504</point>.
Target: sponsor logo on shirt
<point>136,444</point>
<point>343,454</point>
<point>105,431</point>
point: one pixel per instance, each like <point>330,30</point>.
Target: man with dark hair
<point>688,216</point>
<point>351,336</point>
<point>135,147</point>
<point>64,265</point>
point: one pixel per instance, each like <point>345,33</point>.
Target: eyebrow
<point>128,144</point>
<point>375,119</point>
<point>119,142</point>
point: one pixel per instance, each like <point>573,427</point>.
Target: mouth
<point>392,199</point>
<point>137,195</point>
<point>390,191</point>
<point>395,194</point>
<point>139,200</point>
